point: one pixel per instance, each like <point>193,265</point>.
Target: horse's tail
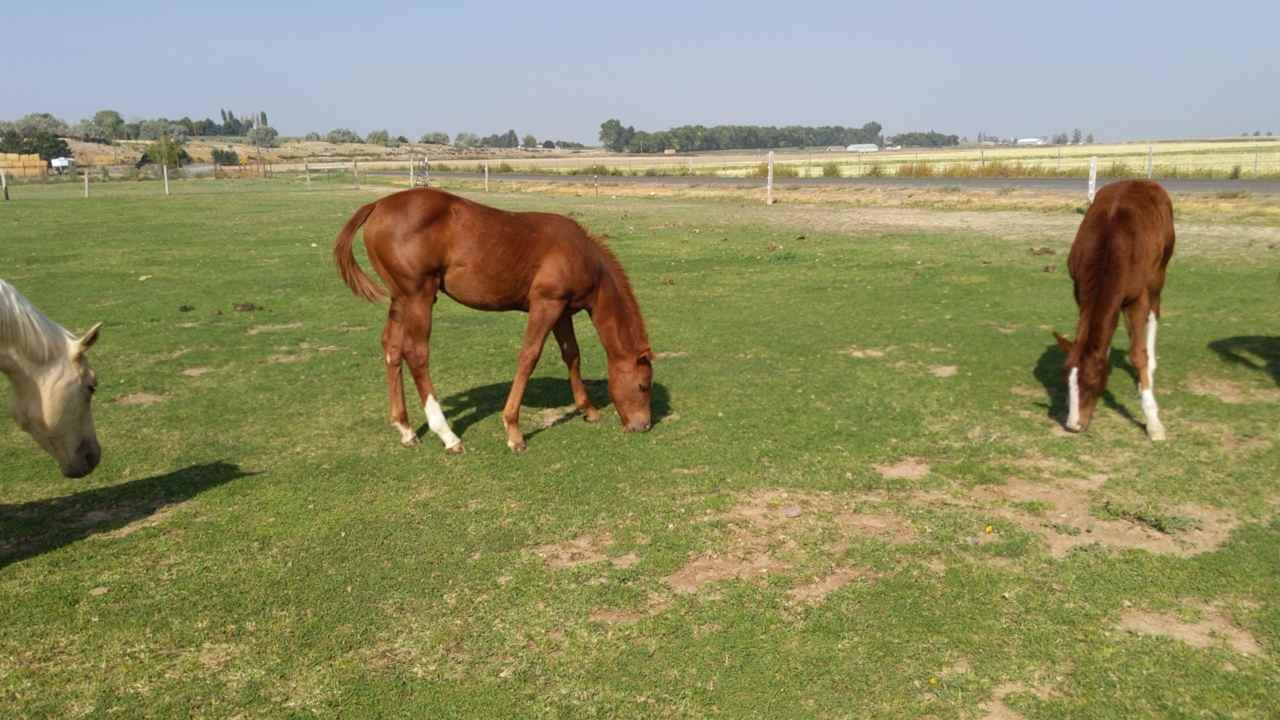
<point>355,278</point>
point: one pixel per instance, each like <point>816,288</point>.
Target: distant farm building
<point>863,148</point>
<point>1030,141</point>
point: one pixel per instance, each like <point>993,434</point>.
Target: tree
<point>312,136</point>
<point>1089,139</point>
<point>262,136</point>
<point>110,122</point>
<point>165,151</point>
<point>402,140</point>
<point>466,139</point>
<point>378,137</point>
<point>530,141</point>
<point>614,136</point>
<point>225,157</point>
<point>42,122</point>
<point>435,138</point>
<point>549,144</point>
<point>34,141</point>
<point>1075,136</point>
<point>342,135</point>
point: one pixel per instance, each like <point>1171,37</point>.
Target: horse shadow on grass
<point>471,406</point>
<point>1256,352</point>
<point>33,528</point>
<point>1049,372</point>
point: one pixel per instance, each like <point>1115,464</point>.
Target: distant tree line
<point>689,138</point>
<point>924,139</point>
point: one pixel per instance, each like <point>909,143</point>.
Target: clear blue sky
<point>1124,70</point>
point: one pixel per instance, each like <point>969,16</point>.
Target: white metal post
<point>486,176</point>
<point>86,181</point>
<point>1093,176</point>
<point>4,184</point>
<point>164,168</point>
<point>426,171</point>
<point>768,200</point>
<point>355,175</point>
<point>306,169</point>
<point>412,181</point>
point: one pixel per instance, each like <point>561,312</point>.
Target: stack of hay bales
<point>18,165</point>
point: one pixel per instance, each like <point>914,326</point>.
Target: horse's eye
<point>93,388</point>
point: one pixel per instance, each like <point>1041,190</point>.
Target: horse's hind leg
<point>417,333</point>
<point>393,347</point>
<point>542,318</point>
<point>1139,318</point>
<point>568,342</point>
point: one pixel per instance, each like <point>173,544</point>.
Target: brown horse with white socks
<point>423,241</point>
<point>1118,263</point>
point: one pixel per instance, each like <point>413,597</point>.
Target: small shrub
<point>830,169</point>
<point>1235,173</point>
<point>504,167</point>
<point>225,157</point>
<point>875,170</point>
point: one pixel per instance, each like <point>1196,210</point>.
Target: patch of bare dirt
<point>817,591</point>
<point>909,469</point>
<point>550,417</point>
<point>996,709</point>
<point>1068,522</point>
<point>156,517</point>
<point>1213,628</point>
<point>668,354</point>
<point>1230,392</point>
<point>287,358</point>
<point>700,470</point>
<point>623,562</point>
<point>581,550</point>
<point>715,568</point>
<point>1026,391</point>
<point>195,372</point>
<point>259,329</point>
<point>854,351</point>
<point>943,371</point>
<point>140,398</point>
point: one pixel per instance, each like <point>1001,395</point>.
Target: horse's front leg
<point>543,315</point>
<point>568,342</point>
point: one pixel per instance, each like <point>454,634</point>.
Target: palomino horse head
<point>1086,378</point>
<point>52,405</point>
<point>631,387</point>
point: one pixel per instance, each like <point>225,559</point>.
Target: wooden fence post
<point>1093,176</point>
<point>306,169</point>
<point>86,181</point>
<point>413,181</point>
<point>768,198</point>
<point>486,176</point>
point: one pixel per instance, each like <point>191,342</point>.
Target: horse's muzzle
<point>87,458</point>
<point>642,426</point>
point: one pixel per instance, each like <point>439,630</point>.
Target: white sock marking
<point>1149,409</point>
<point>407,435</point>
<point>1073,399</point>
<point>1152,324</point>
<point>440,426</point>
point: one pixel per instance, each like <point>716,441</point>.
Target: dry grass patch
<point>909,469</point>
<point>260,329</point>
<point>1230,392</point>
<point>140,398</point>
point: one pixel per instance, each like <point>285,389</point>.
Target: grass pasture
<point>855,501</point>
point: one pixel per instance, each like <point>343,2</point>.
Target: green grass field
<point>854,503</point>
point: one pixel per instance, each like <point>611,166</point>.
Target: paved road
<point>1259,187</point>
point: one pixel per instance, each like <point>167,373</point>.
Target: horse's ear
<point>86,342</point>
<point>1063,343</point>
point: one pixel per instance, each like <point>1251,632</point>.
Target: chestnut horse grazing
<point>1118,263</point>
<point>52,382</point>
<point>425,241</point>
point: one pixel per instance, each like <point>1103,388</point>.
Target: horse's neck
<point>617,318</point>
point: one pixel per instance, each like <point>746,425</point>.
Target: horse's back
<point>484,257</point>
<point>1126,235</point>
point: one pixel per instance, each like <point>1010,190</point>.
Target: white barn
<point>863,148</point>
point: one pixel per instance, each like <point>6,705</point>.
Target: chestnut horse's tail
<point>355,278</point>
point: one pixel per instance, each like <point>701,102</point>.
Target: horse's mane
<point>28,331</point>
<point>639,335</point>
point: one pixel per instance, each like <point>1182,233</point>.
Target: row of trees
<point>689,138</point>
<point>924,139</point>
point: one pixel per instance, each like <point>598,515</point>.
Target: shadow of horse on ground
<point>1257,352</point>
<point>33,528</point>
<point>471,406</point>
<point>1049,372</point>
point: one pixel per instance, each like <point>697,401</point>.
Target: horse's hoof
<point>455,450</point>
<point>410,443</point>
<point>591,415</point>
<point>1156,434</point>
<point>517,447</point>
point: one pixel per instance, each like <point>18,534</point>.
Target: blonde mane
<point>26,333</point>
